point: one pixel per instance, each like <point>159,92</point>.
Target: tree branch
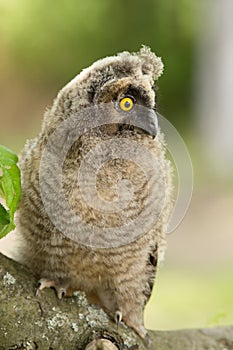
<point>44,322</point>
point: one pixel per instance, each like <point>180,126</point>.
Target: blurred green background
<point>45,44</point>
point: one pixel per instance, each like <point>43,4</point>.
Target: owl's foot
<point>44,283</point>
<point>61,289</point>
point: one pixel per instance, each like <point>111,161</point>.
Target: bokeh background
<point>43,44</point>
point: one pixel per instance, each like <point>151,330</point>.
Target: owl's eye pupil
<point>126,103</point>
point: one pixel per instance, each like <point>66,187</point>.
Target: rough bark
<point>44,322</point>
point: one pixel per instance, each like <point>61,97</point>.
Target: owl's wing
<point>152,267</point>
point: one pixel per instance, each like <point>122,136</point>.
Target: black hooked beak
<point>150,122</point>
<point>144,119</point>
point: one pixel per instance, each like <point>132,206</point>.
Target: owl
<point>122,197</point>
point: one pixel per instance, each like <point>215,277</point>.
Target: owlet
<point>96,188</point>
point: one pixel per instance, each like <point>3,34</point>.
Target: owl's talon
<point>118,317</point>
<point>38,284</point>
<point>61,293</point>
<point>37,291</point>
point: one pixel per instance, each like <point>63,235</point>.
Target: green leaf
<point>4,216</point>
<point>1,189</point>
<point>11,186</point>
<point>7,157</point>
<point>10,189</point>
<point>5,229</point>
<point>6,225</point>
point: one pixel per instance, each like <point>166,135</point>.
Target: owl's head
<point>123,81</point>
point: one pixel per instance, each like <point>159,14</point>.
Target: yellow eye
<point>126,104</point>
